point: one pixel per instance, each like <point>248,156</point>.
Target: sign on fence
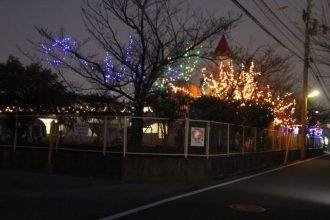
<point>197,137</point>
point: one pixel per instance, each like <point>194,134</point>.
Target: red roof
<point>222,48</point>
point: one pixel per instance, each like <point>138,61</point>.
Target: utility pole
<point>307,21</point>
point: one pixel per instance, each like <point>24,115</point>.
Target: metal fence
<point>136,135</point>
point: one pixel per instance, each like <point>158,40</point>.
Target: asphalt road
<point>299,191</point>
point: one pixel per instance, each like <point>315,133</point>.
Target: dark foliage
<point>168,104</point>
<point>214,109</point>
<point>256,115</point>
<point>31,88</point>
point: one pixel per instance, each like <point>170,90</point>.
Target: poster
<point>197,137</point>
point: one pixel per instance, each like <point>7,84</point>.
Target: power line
<point>282,9</point>
<point>282,23</point>
<point>315,68</point>
<point>320,80</point>
<point>298,5</point>
<point>325,8</point>
<point>275,25</point>
<point>315,74</point>
<point>255,20</point>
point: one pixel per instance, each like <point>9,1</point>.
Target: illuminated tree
<point>159,32</point>
<point>182,71</point>
<point>241,85</point>
<point>233,85</point>
<point>283,109</point>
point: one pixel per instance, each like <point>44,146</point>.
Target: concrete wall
<point>141,167</point>
<point>197,168</point>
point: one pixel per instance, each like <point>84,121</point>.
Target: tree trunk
<point>136,134</point>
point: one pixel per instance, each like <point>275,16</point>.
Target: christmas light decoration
<point>283,109</point>
<point>76,109</point>
<point>228,82</point>
<point>241,85</point>
<point>112,75</point>
<point>55,50</point>
<point>182,90</point>
<point>181,71</point>
<point>109,67</point>
<point>59,50</point>
<point>127,56</point>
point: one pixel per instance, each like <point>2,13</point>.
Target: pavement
<point>30,195</point>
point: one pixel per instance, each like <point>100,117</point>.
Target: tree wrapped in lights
<point>221,85</point>
<point>181,71</point>
<point>152,51</point>
<point>283,109</point>
<point>57,50</point>
<point>242,86</point>
<point>230,84</point>
<point>60,51</point>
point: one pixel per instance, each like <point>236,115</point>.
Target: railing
<point>128,135</point>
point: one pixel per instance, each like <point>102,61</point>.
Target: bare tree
<point>159,30</point>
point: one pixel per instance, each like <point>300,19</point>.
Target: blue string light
<point>109,67</point>
<point>127,56</point>
<point>61,45</point>
<point>111,75</point>
<point>58,50</point>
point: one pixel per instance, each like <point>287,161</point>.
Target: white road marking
<point>160,202</point>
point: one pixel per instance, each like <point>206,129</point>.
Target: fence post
<point>243,140</point>
<point>186,138</point>
<point>58,137</point>
<point>280,142</point>
<point>57,141</point>
<point>105,136</point>
<point>57,133</point>
<point>297,141</point>
<point>207,148</point>
<point>273,140</point>
<point>255,139</point>
<point>125,137</point>
<point>228,136</point>
<point>16,132</point>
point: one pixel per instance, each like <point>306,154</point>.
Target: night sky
<point>18,18</point>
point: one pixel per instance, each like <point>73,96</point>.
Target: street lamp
<point>313,94</point>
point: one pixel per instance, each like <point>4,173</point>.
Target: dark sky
<point>18,18</point>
